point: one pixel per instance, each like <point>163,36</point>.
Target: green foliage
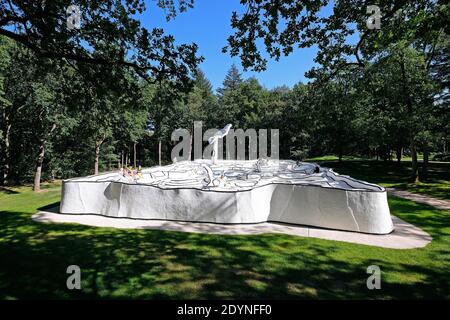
<point>68,111</point>
<point>81,113</point>
<point>232,80</point>
<point>109,34</point>
<point>279,27</point>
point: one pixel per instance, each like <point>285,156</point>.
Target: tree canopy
<point>279,27</point>
<point>108,33</point>
<point>78,101</point>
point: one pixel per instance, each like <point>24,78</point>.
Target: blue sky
<point>208,25</point>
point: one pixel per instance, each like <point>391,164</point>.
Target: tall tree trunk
<point>6,158</point>
<point>7,165</point>
<point>399,154</point>
<point>134,154</point>
<point>414,163</point>
<point>97,156</point>
<point>2,173</point>
<point>412,133</point>
<point>426,154</point>
<point>98,144</point>
<point>40,161</point>
<point>340,155</point>
<point>38,171</point>
<point>159,152</point>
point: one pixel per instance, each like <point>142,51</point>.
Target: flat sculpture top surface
<point>235,175</point>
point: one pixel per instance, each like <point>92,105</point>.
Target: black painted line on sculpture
<point>330,173</point>
<point>343,182</point>
<point>382,190</point>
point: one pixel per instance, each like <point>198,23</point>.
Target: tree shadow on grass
<point>153,264</point>
<point>389,172</point>
<point>6,190</point>
<point>52,207</point>
<point>433,221</point>
<point>435,189</point>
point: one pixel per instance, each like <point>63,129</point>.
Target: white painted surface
<point>241,192</point>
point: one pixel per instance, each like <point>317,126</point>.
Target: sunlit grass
<point>396,175</point>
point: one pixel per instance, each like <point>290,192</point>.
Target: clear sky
<point>208,25</point>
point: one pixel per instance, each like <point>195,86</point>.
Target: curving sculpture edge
<point>234,192</point>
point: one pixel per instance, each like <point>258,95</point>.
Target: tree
<point>202,82</point>
<point>76,111</point>
<point>232,80</point>
<point>112,108</point>
<point>338,108</point>
<point>50,29</point>
<point>6,48</point>
<point>404,90</point>
<point>439,65</point>
<point>297,121</point>
<point>38,107</point>
<point>283,26</point>
<point>202,95</point>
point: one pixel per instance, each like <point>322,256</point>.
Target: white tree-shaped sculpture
<point>214,140</point>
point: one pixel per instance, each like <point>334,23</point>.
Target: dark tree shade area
<point>79,101</point>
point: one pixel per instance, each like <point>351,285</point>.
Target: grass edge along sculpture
<point>228,191</point>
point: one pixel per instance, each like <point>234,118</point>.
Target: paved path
<point>437,203</point>
<point>405,235</point>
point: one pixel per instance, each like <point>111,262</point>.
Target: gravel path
<point>437,203</point>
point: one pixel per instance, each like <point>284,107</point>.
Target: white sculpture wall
<point>251,192</point>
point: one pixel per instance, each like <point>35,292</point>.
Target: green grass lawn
<point>164,264</point>
<point>393,174</point>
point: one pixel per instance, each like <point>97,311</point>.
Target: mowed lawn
<point>146,264</point>
<point>394,174</point>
